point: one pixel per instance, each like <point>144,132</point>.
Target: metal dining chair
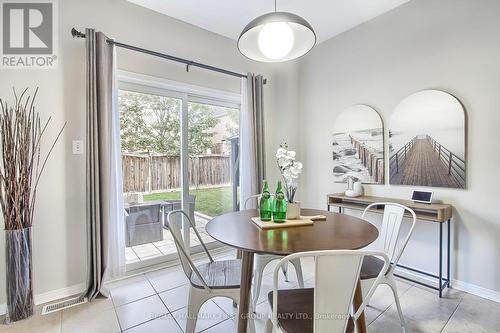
<point>328,306</point>
<point>261,260</point>
<point>388,241</point>
<point>212,279</point>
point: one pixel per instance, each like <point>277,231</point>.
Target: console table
<point>437,213</point>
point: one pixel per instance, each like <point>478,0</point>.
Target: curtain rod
<point>78,34</point>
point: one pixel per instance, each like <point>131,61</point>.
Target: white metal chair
<point>261,260</point>
<point>328,306</point>
<point>213,279</point>
<point>388,242</point>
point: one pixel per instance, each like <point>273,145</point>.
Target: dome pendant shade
<point>276,37</point>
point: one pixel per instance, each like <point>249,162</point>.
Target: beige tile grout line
<point>393,303</point>
<point>61,323</point>
<point>161,300</point>
<point>139,299</point>
<point>454,311</point>
<point>157,294</point>
<point>114,309</point>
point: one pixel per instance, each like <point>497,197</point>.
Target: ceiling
<point>228,17</point>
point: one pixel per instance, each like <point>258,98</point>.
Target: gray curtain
<point>104,206</point>
<point>252,141</point>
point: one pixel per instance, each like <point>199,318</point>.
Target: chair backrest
<point>248,200</point>
<point>391,227</point>
<point>252,197</point>
<point>336,278</point>
<point>174,222</point>
<point>191,207</point>
<point>170,205</point>
<point>144,214</point>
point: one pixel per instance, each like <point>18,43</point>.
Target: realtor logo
<point>28,34</point>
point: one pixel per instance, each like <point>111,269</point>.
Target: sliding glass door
<point>213,129</point>
<point>179,151</point>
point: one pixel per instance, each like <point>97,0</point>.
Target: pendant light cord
<point>275,6</point>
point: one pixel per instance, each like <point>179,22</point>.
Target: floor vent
<point>69,303</point>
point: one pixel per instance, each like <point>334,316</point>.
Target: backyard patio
<point>166,246</point>
<point>152,173</point>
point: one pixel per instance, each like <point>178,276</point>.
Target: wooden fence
<point>143,173</point>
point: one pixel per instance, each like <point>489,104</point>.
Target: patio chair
<point>213,279</point>
<point>143,224</point>
<point>261,261</point>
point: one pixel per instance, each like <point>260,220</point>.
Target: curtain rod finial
<point>77,34</point>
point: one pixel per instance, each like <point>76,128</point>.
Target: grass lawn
<point>209,201</point>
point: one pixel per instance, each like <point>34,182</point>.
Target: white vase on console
<point>354,188</point>
<point>358,189</point>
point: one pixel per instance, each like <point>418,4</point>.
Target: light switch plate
<point>77,147</point>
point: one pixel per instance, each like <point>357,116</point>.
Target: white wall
<point>59,228</point>
<point>451,45</point>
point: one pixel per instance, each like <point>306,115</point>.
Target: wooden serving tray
<point>303,221</point>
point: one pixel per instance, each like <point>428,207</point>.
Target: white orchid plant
<point>290,170</point>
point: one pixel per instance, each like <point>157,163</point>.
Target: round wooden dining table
<point>337,232</point>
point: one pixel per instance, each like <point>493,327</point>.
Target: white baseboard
<point>456,284</point>
<point>476,290</point>
<point>51,296</point>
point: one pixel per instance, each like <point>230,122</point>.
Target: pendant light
<point>276,37</point>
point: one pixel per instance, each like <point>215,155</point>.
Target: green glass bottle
<point>279,207</point>
<point>266,204</point>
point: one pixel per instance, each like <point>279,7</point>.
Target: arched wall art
<point>358,146</point>
<point>427,141</point>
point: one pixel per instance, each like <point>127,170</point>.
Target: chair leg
<point>258,272</point>
<point>269,326</point>
<point>251,320</point>
<point>392,283</point>
<point>251,325</point>
<point>257,283</point>
<point>298,271</point>
<point>195,302</point>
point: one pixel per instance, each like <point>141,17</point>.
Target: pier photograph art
<point>427,141</point>
<point>358,146</point>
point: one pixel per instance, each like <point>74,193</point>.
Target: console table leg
<point>448,254</point>
<point>440,260</point>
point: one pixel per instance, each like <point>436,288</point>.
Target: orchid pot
<point>293,210</point>
<point>290,170</point>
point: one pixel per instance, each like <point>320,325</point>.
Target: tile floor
<point>166,246</point>
<point>156,302</point>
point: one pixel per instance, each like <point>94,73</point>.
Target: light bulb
<point>276,40</point>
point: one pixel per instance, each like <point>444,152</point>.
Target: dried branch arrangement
<point>22,162</point>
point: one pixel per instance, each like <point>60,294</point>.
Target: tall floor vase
<point>19,271</point>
